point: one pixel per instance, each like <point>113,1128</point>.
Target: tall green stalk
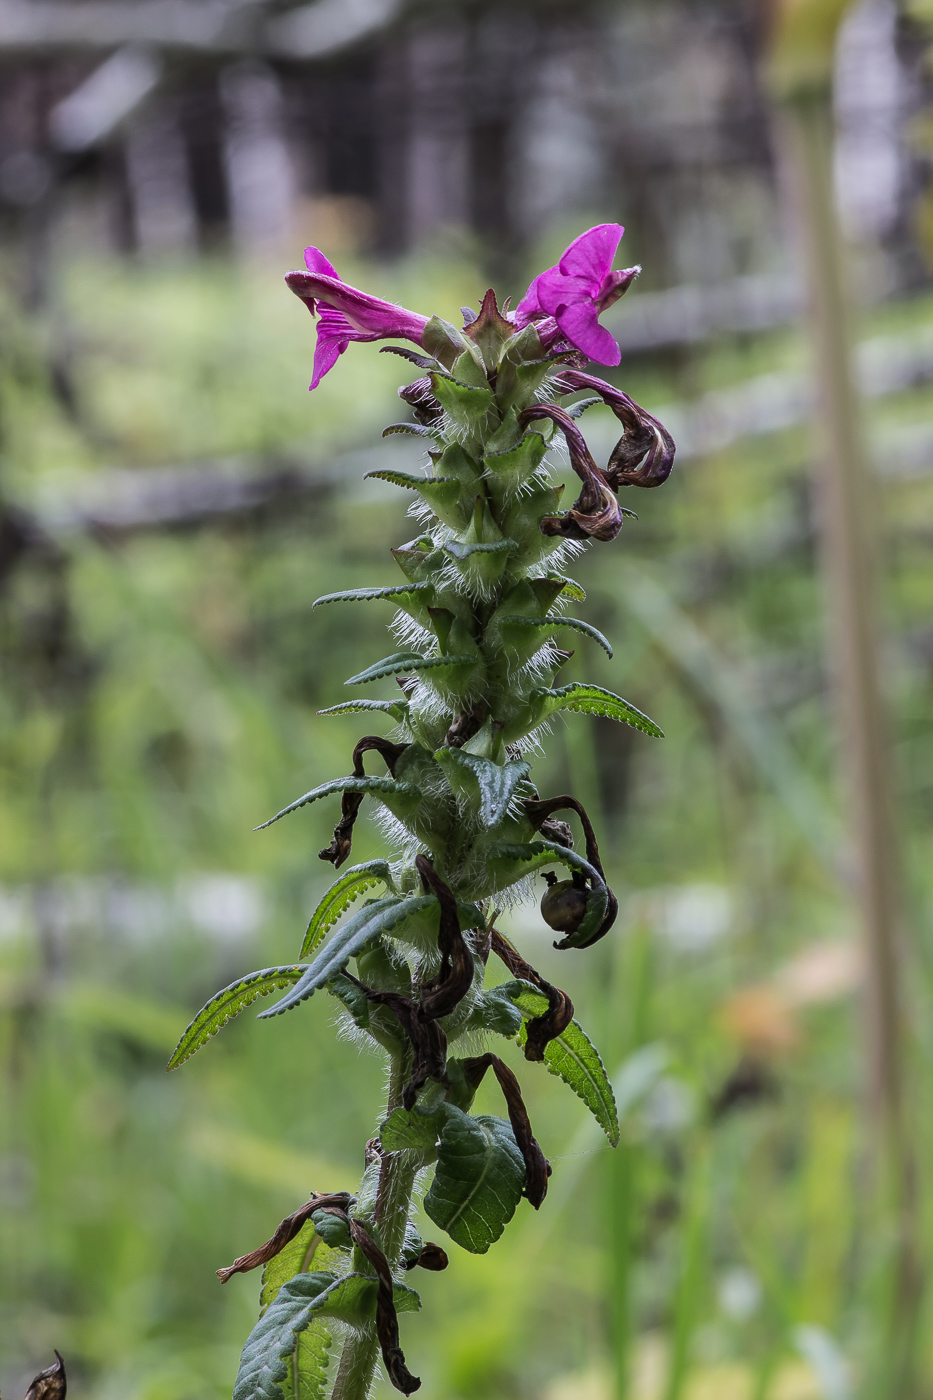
<point>480,610</point>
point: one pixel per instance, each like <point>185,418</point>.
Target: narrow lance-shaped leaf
<point>528,624</point>
<point>403,663</point>
<point>353,938</point>
<point>229,1003</point>
<point>340,896</point>
<point>593,700</point>
<point>572,1057</point>
<point>365,595</point>
<point>350,784</point>
<point>397,709</point>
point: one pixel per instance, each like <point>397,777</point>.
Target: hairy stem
<point>393,1205</point>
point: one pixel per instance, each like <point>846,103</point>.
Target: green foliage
<point>572,1057</point>
<point>377,918</point>
<point>271,1344</point>
<point>490,785</point>
<point>478,1181</point>
<point>593,700</point>
<point>363,785</point>
<point>515,627</point>
<point>294,1259</point>
<point>229,1003</point>
<point>365,595</point>
<point>340,896</point>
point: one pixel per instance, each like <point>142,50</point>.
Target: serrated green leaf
<point>465,370</point>
<point>354,1300</point>
<point>403,479</point>
<point>340,896</point>
<point>404,351</point>
<point>479,1179</point>
<point>306,1377</point>
<point>270,1345</point>
<point>416,1131</point>
<point>456,550</point>
<point>264,1365</point>
<point>412,429</point>
<point>509,469</point>
<point>572,1057</point>
<point>570,588</point>
<point>229,1003</point>
<point>466,405</point>
<point>552,623</point>
<point>398,709</point>
<point>403,663</point>
<point>493,783</point>
<point>296,1258</point>
<point>351,939</point>
<point>355,1000</point>
<point>576,410</point>
<point>442,493</point>
<point>593,700</point>
<point>364,595</point>
<point>351,784</point>
<point>495,1011</point>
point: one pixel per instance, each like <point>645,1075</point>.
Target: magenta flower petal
<point>529,306</point>
<point>580,325</point>
<point>347,314</point>
<point>590,256</point>
<point>615,284</point>
<point>576,290</point>
<point>315,261</point>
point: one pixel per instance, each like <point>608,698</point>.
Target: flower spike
<point>477,617</point>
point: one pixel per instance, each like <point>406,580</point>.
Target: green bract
<point>481,602</point>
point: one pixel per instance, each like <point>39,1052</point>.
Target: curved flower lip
<point>577,290</point>
<point>347,314</point>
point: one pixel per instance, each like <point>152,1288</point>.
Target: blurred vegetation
<point>158,700</point>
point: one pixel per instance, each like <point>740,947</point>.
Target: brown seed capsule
<point>564,906</point>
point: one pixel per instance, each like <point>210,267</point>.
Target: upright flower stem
<point>481,609</point>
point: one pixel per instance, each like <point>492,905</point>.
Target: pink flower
<point>345,314</point>
<point>567,300</point>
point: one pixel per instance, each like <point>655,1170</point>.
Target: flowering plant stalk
<point>480,609</point>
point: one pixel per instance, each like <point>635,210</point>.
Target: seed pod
<point>564,906</point>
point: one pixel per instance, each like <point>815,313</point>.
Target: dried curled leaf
<point>50,1384</point>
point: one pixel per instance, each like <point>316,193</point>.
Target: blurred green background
<point>172,504</point>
